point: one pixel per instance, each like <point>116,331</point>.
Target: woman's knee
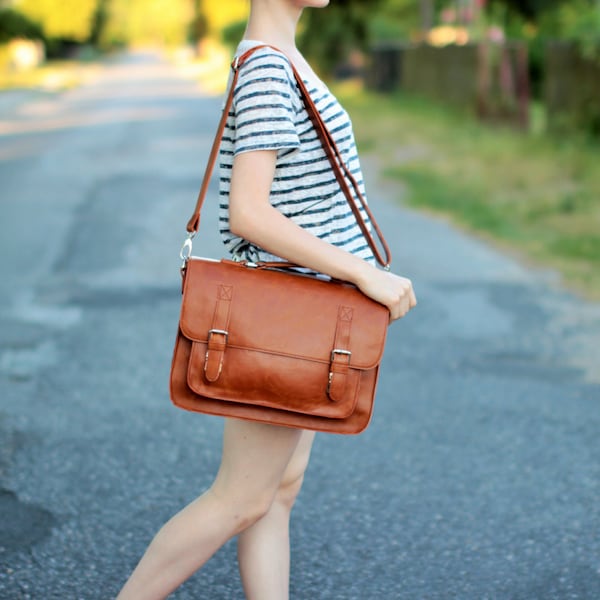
<point>243,510</point>
<point>288,491</point>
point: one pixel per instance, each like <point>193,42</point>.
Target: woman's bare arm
<point>252,217</point>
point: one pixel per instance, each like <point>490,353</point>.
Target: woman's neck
<point>274,22</point>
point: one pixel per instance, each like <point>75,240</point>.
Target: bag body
<point>269,344</point>
<point>276,346</point>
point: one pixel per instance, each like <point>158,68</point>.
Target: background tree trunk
<point>427,11</point>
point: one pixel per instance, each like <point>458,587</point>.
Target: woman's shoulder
<point>263,57</point>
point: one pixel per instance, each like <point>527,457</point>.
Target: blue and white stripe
<point>268,114</point>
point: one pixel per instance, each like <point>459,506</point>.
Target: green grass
<point>531,193</point>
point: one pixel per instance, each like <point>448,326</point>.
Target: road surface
<point>479,477</point>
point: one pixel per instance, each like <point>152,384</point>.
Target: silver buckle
<point>220,331</point>
<point>333,353</point>
<point>338,351</point>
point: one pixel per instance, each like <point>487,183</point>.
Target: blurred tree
<point>223,13</point>
<point>576,21</point>
<point>540,21</point>
<point>427,14</point>
<point>99,22</point>
<point>399,19</point>
<point>198,28</point>
<point>64,19</point>
<point>530,9</point>
<point>13,24</point>
<point>147,21</point>
<point>232,34</point>
<point>328,36</point>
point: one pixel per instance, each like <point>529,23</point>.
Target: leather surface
<point>276,358</point>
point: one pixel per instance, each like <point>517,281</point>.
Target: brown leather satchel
<point>267,343</point>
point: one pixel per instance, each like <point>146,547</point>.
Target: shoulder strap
<point>340,169</point>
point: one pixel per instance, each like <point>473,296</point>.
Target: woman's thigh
<point>254,460</point>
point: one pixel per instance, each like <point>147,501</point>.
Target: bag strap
<point>340,169</point>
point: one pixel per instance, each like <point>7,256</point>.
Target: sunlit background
<point>484,110</point>
<point>515,42</point>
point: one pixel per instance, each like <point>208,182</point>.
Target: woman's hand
<point>391,290</point>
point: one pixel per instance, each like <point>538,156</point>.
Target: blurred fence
<point>490,80</point>
<point>572,90</point>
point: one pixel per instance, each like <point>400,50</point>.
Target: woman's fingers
<point>391,290</point>
<point>413,298</point>
<point>405,299</point>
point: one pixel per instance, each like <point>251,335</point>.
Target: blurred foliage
<point>232,34</point>
<point>16,25</point>
<point>538,21</point>
<point>220,14</point>
<point>99,22</point>
<point>529,9</point>
<point>576,21</point>
<point>147,21</point>
<point>394,19</point>
<point>108,23</point>
<point>327,36</point>
<point>533,194</point>
<point>198,27</point>
<point>61,19</point>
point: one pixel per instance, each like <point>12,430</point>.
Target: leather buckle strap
<point>339,362</point>
<point>218,334</point>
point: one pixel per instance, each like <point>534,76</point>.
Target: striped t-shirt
<point>268,114</point>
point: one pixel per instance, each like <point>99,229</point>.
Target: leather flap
<point>272,312</point>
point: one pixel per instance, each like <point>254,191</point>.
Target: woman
<point>277,200</point>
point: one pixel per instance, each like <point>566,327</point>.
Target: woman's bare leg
<point>264,548</point>
<point>255,457</point>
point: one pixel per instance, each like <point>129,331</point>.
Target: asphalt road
<point>479,477</point>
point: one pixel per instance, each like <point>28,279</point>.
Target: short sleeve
<point>265,105</point>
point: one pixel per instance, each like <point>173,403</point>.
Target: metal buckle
<point>186,249</point>
<point>221,331</point>
<point>333,353</point>
<point>338,351</point>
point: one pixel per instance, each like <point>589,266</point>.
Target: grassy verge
<point>534,194</point>
<point>52,76</point>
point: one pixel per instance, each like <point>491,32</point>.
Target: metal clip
<point>219,331</point>
<point>186,249</point>
<point>338,351</point>
<point>333,353</point>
